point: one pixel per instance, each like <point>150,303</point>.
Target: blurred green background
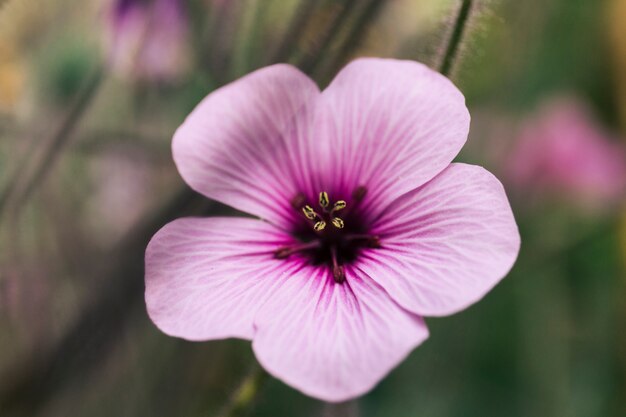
<point>86,177</point>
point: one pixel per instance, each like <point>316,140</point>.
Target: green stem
<point>365,18</point>
<point>456,37</point>
<point>302,14</point>
<point>246,393</point>
<point>310,61</point>
<point>28,176</point>
<point>248,34</point>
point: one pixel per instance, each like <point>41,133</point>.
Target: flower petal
<point>206,278</point>
<point>235,147</point>
<point>446,244</point>
<point>391,126</point>
<point>333,341</point>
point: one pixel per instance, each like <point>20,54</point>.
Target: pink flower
<point>365,225</point>
<point>563,151</point>
<point>147,39</point>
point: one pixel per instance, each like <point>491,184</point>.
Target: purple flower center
<point>333,234</point>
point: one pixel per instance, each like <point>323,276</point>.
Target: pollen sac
<point>282,253</point>
<point>309,212</point>
<point>319,226</point>
<point>338,223</point>
<point>298,201</point>
<point>339,274</point>
<point>320,219</point>
<point>324,201</point>
<point>359,193</point>
<point>339,205</point>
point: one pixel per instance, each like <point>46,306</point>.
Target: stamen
<point>338,223</point>
<point>339,205</point>
<point>336,245</point>
<point>359,193</point>
<point>319,226</point>
<point>309,212</point>
<point>324,201</point>
<point>320,223</point>
<point>372,241</point>
<point>298,201</point>
<point>286,251</point>
<point>339,273</point>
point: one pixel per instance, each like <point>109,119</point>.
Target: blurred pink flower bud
<point>562,150</point>
<point>147,39</point>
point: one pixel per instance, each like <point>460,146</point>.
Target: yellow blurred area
<point>12,77</point>
<point>400,21</point>
<point>25,37</point>
<point>20,21</point>
<point>616,17</point>
<point>16,22</point>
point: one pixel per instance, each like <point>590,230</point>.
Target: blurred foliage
<point>67,65</point>
<point>548,341</point>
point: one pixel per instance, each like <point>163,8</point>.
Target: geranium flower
<point>147,39</point>
<point>365,225</point>
<point>563,151</point>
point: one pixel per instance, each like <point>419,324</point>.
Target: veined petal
<point>333,341</point>
<point>392,126</point>
<point>446,244</point>
<point>206,278</point>
<point>235,147</point>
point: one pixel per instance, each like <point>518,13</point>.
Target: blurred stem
<point>246,393</point>
<point>456,37</point>
<point>352,40</point>
<point>97,140</point>
<point>29,175</point>
<point>311,60</point>
<point>248,34</point>
<point>298,23</point>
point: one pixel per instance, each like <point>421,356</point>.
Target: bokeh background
<point>89,99</point>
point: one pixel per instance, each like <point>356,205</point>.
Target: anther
<point>339,273</point>
<point>371,241</point>
<point>309,212</point>
<point>339,205</point>
<point>359,193</point>
<point>319,226</point>
<point>286,251</point>
<point>324,201</point>
<point>338,223</point>
<point>298,201</point>
<point>283,253</point>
